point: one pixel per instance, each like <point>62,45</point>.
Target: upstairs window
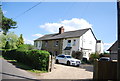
<point>69,43</point>
<point>56,43</point>
<point>74,42</point>
<point>46,43</point>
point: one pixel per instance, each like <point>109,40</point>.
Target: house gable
<point>113,47</point>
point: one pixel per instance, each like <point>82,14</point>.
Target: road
<point>9,71</point>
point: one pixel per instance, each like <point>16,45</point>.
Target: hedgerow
<point>37,59</point>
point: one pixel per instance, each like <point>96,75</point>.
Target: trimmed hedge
<point>37,59</point>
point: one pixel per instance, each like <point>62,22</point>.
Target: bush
<point>77,54</point>
<point>93,57</point>
<point>37,59</point>
<point>105,55</point>
<point>25,47</point>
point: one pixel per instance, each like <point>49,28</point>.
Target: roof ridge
<point>78,30</point>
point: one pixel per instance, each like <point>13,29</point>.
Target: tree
<point>6,23</point>
<point>7,45</point>
<point>11,38</point>
<point>20,40</point>
<point>0,17</point>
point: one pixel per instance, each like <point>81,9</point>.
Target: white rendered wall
<point>88,43</point>
<point>74,47</point>
<point>99,47</point>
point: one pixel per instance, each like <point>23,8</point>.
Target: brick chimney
<point>61,30</point>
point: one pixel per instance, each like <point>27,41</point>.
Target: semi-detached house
<point>66,42</point>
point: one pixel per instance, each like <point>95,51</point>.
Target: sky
<point>47,17</point>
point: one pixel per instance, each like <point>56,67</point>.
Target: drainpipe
<point>118,63</point>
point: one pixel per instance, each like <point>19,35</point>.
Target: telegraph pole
<point>118,63</point>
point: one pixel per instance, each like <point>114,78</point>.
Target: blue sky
<point>47,17</point>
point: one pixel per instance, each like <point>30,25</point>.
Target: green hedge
<point>37,59</point>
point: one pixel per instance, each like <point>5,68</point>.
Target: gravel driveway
<point>67,72</point>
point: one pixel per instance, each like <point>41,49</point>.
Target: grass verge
<point>1,56</point>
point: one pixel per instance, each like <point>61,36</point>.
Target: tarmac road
<point>9,71</point>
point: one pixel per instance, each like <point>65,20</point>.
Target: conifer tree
<point>20,40</point>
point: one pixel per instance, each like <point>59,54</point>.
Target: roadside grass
<point>37,71</point>
<point>1,56</point>
<point>23,66</point>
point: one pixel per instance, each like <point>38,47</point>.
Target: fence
<point>105,70</point>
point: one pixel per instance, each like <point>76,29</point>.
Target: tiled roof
<point>114,47</point>
<point>69,34</point>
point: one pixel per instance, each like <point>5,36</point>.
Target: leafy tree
<point>20,40</point>
<point>11,38</point>
<point>7,45</point>
<point>6,23</point>
<point>2,40</point>
<point>0,18</point>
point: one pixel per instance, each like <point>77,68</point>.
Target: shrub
<point>77,54</point>
<point>104,54</point>
<point>25,47</point>
<point>93,57</point>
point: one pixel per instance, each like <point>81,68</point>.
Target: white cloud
<point>69,25</point>
<point>37,35</point>
<point>108,44</point>
<point>27,41</point>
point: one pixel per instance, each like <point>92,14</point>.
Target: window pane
<point>69,43</point>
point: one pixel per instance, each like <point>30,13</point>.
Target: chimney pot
<point>61,30</point>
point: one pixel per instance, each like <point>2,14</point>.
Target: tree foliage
<point>11,38</point>
<point>93,57</point>
<point>20,40</point>
<point>7,45</point>
<point>1,18</point>
<point>77,54</point>
<point>25,47</point>
<point>6,23</point>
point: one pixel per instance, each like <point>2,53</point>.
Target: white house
<point>99,46</point>
<point>66,42</point>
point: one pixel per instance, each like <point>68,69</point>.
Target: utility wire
<point>27,10</point>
